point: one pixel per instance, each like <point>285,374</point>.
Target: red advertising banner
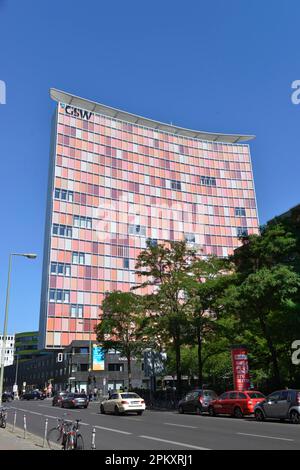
<point>240,368</point>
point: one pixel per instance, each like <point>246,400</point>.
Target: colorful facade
<point>116,180</point>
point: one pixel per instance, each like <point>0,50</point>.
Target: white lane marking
<point>113,430</point>
<point>49,416</point>
<point>181,425</point>
<point>266,437</point>
<point>133,419</point>
<point>180,444</point>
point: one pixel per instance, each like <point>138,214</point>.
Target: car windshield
<point>129,395</point>
<point>210,393</point>
<point>255,395</point>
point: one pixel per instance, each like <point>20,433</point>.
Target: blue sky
<point>224,66</point>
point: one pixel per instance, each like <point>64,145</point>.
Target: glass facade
<point>114,184</point>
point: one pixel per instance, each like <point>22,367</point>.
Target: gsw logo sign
<point>77,112</point>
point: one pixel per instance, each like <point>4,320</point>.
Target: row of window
<point>62,230</point>
<point>63,195</point>
<point>62,269</point>
<point>82,222</point>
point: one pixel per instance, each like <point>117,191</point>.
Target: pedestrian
<point>95,393</point>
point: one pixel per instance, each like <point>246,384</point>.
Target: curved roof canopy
<point>99,108</point>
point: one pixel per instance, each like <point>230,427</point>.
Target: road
<point>161,430</point>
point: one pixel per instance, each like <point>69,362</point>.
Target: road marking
<point>181,425</point>
<point>133,419</point>
<point>113,430</point>
<point>181,444</point>
<point>266,437</point>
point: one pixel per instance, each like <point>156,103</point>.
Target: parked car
<point>33,395</point>
<point>75,400</point>
<point>196,401</point>
<point>7,396</point>
<point>58,398</point>
<point>236,403</point>
<point>282,405</point>
<point>124,402</point>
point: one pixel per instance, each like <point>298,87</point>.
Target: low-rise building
<point>77,367</point>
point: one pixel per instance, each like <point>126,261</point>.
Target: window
<point>62,230</point>
<point>78,258</point>
<point>76,311</point>
<point>208,181</point>
<point>240,212</point>
<point>82,222</point>
<point>116,367</point>
<point>176,185</point>
<point>59,295</point>
<point>61,269</point>
<point>63,194</point>
<point>189,238</point>
<point>274,396</point>
<point>126,263</point>
<point>242,231</point>
<point>137,230</point>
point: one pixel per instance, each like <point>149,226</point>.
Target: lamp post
<point>29,256</point>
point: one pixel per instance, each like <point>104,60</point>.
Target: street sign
<point>24,384</point>
<point>72,378</point>
<point>15,388</point>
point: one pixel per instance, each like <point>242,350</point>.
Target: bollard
<point>25,427</point>
<point>14,423</point>
<point>45,433</point>
<point>93,447</point>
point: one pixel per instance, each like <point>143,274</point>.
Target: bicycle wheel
<point>79,445</point>
<point>54,438</point>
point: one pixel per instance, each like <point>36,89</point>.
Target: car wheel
<point>102,410</point>
<point>237,413</point>
<point>295,417</point>
<point>211,411</point>
<point>259,416</point>
<point>199,410</point>
<point>117,411</point>
<point>181,410</point>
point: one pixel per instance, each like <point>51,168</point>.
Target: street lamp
<point>29,256</point>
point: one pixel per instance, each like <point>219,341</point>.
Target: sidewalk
<point>10,441</point>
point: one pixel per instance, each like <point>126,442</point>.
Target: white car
<point>123,402</point>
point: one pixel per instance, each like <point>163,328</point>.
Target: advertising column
<point>240,367</point>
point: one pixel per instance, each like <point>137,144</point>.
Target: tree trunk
<point>129,371</point>
<point>178,366</point>
<point>272,350</point>
<point>200,362</point>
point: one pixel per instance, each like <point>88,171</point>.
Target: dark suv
<point>33,395</point>
<point>283,404</point>
<point>196,401</point>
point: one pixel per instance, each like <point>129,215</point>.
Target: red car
<point>235,403</point>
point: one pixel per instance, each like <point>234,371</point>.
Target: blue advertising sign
<point>98,357</point>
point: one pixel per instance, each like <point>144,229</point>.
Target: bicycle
<point>58,435</point>
<point>74,438</point>
<point>3,417</point>
<point>66,435</point>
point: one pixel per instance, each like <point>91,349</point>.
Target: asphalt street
<point>160,430</point>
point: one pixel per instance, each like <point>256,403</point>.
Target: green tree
<point>121,326</point>
<point>167,270</point>
<point>210,278</point>
<point>258,301</point>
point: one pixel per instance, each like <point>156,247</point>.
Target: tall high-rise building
<point>117,179</point>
